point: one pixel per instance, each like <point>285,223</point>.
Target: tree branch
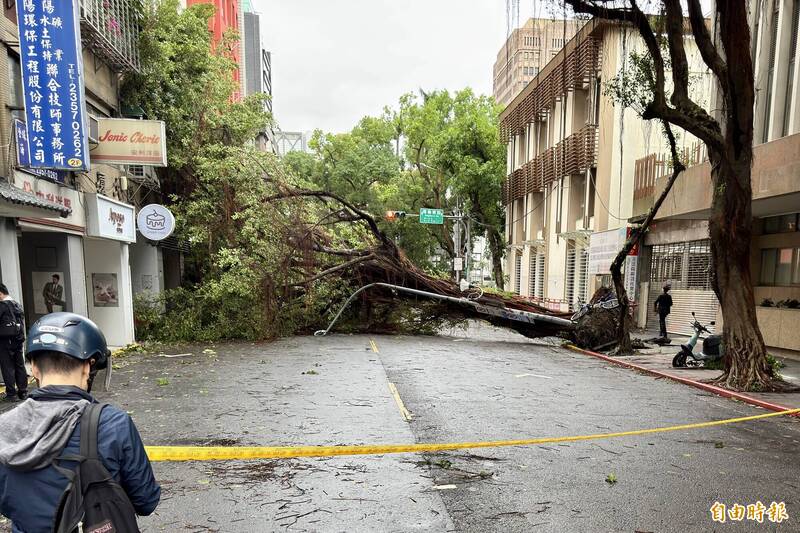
<point>706,46</point>
<point>688,116</point>
<point>368,219</point>
<point>333,270</point>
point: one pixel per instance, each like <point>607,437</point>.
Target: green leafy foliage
<point>252,270</point>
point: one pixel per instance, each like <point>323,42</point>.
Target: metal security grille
<point>539,275</point>
<point>687,266</point>
<point>517,273</point>
<point>667,262</point>
<point>536,275</point>
<point>698,272</point>
<point>583,274</point>
<point>569,275</point>
<point>111,29</point>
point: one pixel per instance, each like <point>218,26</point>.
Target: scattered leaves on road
<point>311,372</point>
<point>162,382</point>
<point>611,479</point>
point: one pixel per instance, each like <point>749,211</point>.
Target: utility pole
<point>457,242</point>
<point>468,260</point>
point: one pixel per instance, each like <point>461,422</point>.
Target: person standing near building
<point>53,293</point>
<point>663,306</point>
<point>12,337</point>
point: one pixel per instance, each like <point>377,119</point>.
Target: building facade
<point>571,158</point>
<point>65,236</point>
<point>227,17</point>
<point>677,249</point>
<point>258,73</point>
<point>525,53</point>
<point>69,239</point>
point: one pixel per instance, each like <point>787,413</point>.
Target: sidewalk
<point>659,358</point>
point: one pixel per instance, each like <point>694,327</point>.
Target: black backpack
<point>93,501</point>
<point>10,323</point>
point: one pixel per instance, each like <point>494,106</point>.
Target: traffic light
<point>392,216</point>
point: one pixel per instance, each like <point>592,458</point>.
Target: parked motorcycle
<point>712,348</point>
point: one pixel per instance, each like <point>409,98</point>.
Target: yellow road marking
<point>374,346</point>
<point>218,453</point>
<point>399,401</point>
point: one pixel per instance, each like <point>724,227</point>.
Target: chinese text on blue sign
<point>52,73</point>
<point>24,159</point>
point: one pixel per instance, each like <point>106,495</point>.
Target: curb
<point>719,391</point>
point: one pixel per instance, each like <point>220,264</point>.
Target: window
<point>772,50</point>
<point>796,269</point>
<point>781,224</point>
<point>535,71</point>
<point>790,66</point>
<point>767,267</point>
<point>780,266</point>
<point>15,100</point>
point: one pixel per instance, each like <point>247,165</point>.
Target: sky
<point>335,61</point>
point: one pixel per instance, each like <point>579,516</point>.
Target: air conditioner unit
<point>540,235</point>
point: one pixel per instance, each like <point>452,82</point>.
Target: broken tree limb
<point>486,310</point>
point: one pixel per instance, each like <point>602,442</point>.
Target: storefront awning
<point>15,202</point>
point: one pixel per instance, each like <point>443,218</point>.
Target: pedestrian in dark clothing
<point>12,339</point>
<point>663,306</point>
<point>65,351</point>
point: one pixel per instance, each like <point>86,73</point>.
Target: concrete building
<point>571,158</point>
<point>677,248</point>
<point>226,17</point>
<point>257,66</point>
<point>71,229</point>
<point>525,53</point>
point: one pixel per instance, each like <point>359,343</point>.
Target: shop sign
<point>632,276</point>
<point>52,192</point>
<point>109,219</point>
<point>24,159</point>
<point>155,222</point>
<point>130,142</point>
<point>52,79</point>
<point>603,248</point>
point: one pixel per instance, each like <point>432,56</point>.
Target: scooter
<point>712,348</point>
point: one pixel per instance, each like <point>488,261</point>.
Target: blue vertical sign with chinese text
<point>24,158</point>
<point>52,79</point>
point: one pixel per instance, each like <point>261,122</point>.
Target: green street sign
<point>431,216</point>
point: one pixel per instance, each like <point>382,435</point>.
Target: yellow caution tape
<point>219,453</point>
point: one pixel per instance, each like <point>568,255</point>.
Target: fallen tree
<point>384,263</point>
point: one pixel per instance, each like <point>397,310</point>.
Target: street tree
<point>452,144</point>
<point>729,140</point>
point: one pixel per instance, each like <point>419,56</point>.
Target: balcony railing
<point>649,168</point>
<point>577,153</point>
<point>110,28</point>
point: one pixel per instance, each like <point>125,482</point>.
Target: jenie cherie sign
<point>130,142</point>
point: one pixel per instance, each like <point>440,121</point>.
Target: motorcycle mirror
<point>692,313</point>
<point>712,323</point>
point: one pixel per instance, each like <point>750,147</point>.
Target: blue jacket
<point>30,498</point>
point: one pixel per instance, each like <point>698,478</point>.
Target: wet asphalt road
<point>335,390</point>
